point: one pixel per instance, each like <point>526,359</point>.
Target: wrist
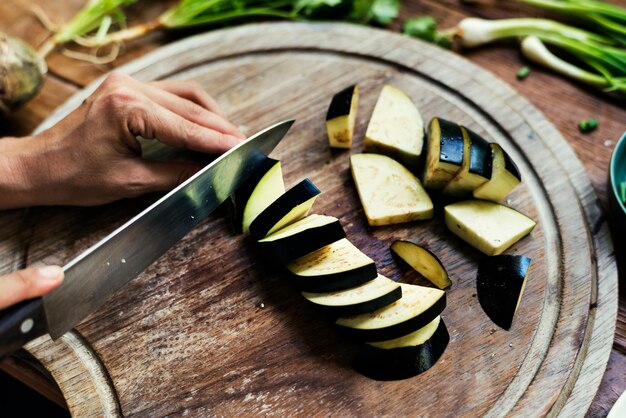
<point>23,172</point>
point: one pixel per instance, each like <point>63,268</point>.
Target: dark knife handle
<point>20,324</point>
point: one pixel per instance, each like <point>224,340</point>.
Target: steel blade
<point>97,273</point>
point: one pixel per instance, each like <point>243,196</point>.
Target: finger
<point>153,121</point>
<point>190,91</point>
<point>29,283</point>
<point>190,110</point>
<point>156,176</point>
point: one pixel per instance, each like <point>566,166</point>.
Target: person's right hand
<point>28,283</point>
<point>93,157</point>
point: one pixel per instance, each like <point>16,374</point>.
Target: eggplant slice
<point>444,156</point>
<point>499,286</point>
<point>406,356</point>
<point>341,117</point>
<point>423,261</point>
<point>487,226</point>
<point>337,266</point>
<point>290,207</point>
<point>364,298</point>
<point>476,167</point>
<point>389,193</point>
<point>301,238</point>
<point>418,306</point>
<point>396,127</point>
<point>505,176</point>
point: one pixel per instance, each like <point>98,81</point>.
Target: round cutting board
<point>210,329</point>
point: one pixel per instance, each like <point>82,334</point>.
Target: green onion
<point>588,125</point>
<point>622,189</point>
<point>523,73</point>
<point>95,15</point>
<point>592,58</point>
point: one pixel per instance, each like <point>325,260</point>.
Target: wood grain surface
<point>563,102</point>
<point>170,340</point>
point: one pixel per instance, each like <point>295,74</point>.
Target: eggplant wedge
<point>367,297</point>
<point>262,188</point>
<point>445,152</point>
<point>301,238</point>
<point>290,207</point>
<point>418,306</point>
<point>389,193</point>
<point>337,266</point>
<point>487,226</point>
<point>505,176</point>
<point>476,168</point>
<point>499,286</point>
<point>396,127</point>
<point>406,356</point>
<point>423,261</point>
<point>341,117</point>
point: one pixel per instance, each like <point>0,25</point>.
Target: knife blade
<point>105,267</point>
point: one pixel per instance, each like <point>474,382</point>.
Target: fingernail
<point>51,273</point>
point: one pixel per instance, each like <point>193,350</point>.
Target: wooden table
<point>563,102</point>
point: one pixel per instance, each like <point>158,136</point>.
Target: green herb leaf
<point>588,125</point>
<point>385,11</point>
<point>309,7</point>
<point>523,72</point>
<point>425,28</point>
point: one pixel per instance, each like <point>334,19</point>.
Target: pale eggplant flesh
<point>341,117</point>
<point>422,260</point>
<point>505,176</point>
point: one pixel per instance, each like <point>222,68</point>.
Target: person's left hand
<point>93,156</point>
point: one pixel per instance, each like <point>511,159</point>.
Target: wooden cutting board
<point>209,329</point>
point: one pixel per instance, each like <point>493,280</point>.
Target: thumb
<point>29,283</point>
<point>160,176</point>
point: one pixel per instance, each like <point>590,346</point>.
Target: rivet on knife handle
<point>20,324</point>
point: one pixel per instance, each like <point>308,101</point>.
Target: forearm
<point>23,172</point>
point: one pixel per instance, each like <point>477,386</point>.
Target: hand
<point>93,156</point>
<point>29,283</point>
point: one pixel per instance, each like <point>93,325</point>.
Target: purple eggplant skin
<point>239,199</point>
<point>266,220</point>
<point>341,103</point>
<point>337,281</point>
<point>499,285</point>
<point>397,330</point>
<point>283,251</point>
<point>403,362</point>
<point>363,307</point>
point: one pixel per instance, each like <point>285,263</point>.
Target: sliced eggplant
<point>444,156</point>
<point>405,356</point>
<point>396,127</point>
<point>423,261</point>
<point>505,176</point>
<point>337,266</point>
<point>487,226</point>
<point>476,167</point>
<point>500,285</point>
<point>290,207</point>
<point>389,193</point>
<point>367,297</point>
<point>262,188</point>
<point>418,306</point>
<point>341,117</point>
<point>301,238</point>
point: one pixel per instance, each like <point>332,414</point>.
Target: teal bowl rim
<point>612,172</point>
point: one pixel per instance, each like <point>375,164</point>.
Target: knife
<point>97,273</point>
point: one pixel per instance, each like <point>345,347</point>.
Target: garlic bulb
<point>22,73</point>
